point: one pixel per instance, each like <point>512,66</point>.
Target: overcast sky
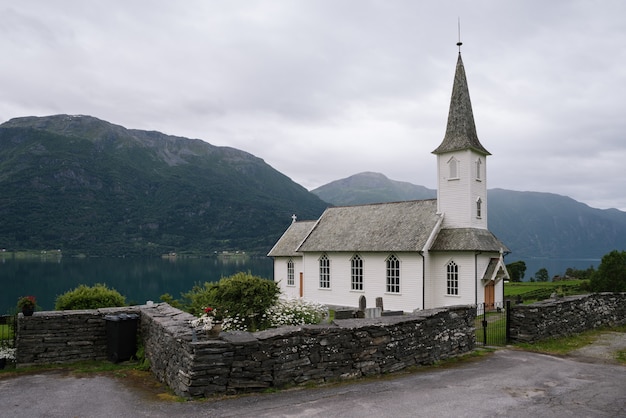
<point>324,89</point>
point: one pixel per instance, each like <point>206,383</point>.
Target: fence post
<point>484,324</point>
<point>508,321</point>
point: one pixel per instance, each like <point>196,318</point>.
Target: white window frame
<point>478,173</point>
<point>324,264</point>
<point>479,208</point>
<point>291,279</point>
<point>453,168</point>
<point>356,273</point>
<point>452,278</point>
<point>392,275</point>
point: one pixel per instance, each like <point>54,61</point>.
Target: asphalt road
<point>506,383</point>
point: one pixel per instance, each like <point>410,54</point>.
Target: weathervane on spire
<point>459,43</point>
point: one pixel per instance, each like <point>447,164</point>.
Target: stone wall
<point>566,316</point>
<point>63,336</point>
<point>193,365</point>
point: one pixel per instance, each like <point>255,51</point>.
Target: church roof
<point>467,239</point>
<point>388,227</point>
<point>461,130</point>
<point>291,239</point>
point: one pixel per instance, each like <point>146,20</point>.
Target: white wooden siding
<point>280,275</point>
<point>456,198</point>
<point>374,281</point>
<point>437,280</point>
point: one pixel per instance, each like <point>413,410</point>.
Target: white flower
<point>7,353</point>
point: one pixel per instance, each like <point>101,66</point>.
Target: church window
<point>290,273</point>
<point>356,272</point>
<point>393,274</point>
<point>324,272</point>
<point>452,270</point>
<point>479,209</point>
<point>453,166</point>
<point>479,163</point>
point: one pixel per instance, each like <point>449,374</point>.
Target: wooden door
<point>490,296</point>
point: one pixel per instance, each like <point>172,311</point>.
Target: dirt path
<point>603,350</point>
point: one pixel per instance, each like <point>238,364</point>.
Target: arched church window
<point>393,274</point>
<point>290,273</point>
<point>324,272</point>
<point>453,166</point>
<point>452,278</point>
<point>479,164</point>
<point>479,211</point>
<point>356,275</point>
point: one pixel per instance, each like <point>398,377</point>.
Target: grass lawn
<point>6,332</point>
<point>564,345</point>
<point>534,291</point>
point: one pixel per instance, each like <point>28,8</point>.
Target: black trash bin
<point>121,333</point>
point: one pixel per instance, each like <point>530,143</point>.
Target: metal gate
<point>492,323</point>
<point>7,339</point>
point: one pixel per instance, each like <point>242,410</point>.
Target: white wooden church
<point>416,254</point>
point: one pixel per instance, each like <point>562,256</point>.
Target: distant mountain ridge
<point>81,184</point>
<point>532,224</point>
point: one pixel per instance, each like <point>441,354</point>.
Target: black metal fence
<point>492,323</point>
<point>7,340</point>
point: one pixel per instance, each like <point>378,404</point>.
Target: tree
<point>542,275</point>
<point>580,274</point>
<point>611,273</point>
<point>516,270</point>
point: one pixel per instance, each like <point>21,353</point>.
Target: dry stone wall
<point>64,336</point>
<point>566,316</point>
<point>195,366</point>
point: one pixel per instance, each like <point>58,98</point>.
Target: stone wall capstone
<point>566,316</point>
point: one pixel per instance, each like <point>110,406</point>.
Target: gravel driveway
<point>506,383</point>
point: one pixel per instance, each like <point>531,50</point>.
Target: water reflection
<point>137,279</point>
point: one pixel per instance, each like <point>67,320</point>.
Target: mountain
<point>532,224</point>
<point>84,185</point>
<point>371,188</point>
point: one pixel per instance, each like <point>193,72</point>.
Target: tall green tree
<point>611,273</point>
<point>542,275</point>
<point>516,270</point>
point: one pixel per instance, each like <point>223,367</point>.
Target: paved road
<point>506,383</point>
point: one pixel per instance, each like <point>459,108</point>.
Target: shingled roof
<point>461,130</point>
<point>388,227</point>
<point>291,239</point>
<point>467,239</point>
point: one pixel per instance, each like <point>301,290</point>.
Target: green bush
<point>611,273</point>
<point>85,297</point>
<point>242,295</point>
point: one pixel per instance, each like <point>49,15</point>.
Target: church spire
<point>461,130</point>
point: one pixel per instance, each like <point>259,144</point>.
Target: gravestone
<point>379,303</point>
<point>362,305</point>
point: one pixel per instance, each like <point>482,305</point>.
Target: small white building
<point>415,255</point>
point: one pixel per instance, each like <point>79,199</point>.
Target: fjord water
<point>138,279</point>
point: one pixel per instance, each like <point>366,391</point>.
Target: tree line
<point>609,277</point>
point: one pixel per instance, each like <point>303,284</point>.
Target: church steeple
<point>461,163</point>
<point>461,130</point>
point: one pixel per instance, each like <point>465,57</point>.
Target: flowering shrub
<point>242,297</point>
<point>7,353</point>
<point>234,323</point>
<point>27,302</point>
<point>206,321</point>
<point>296,312</point>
